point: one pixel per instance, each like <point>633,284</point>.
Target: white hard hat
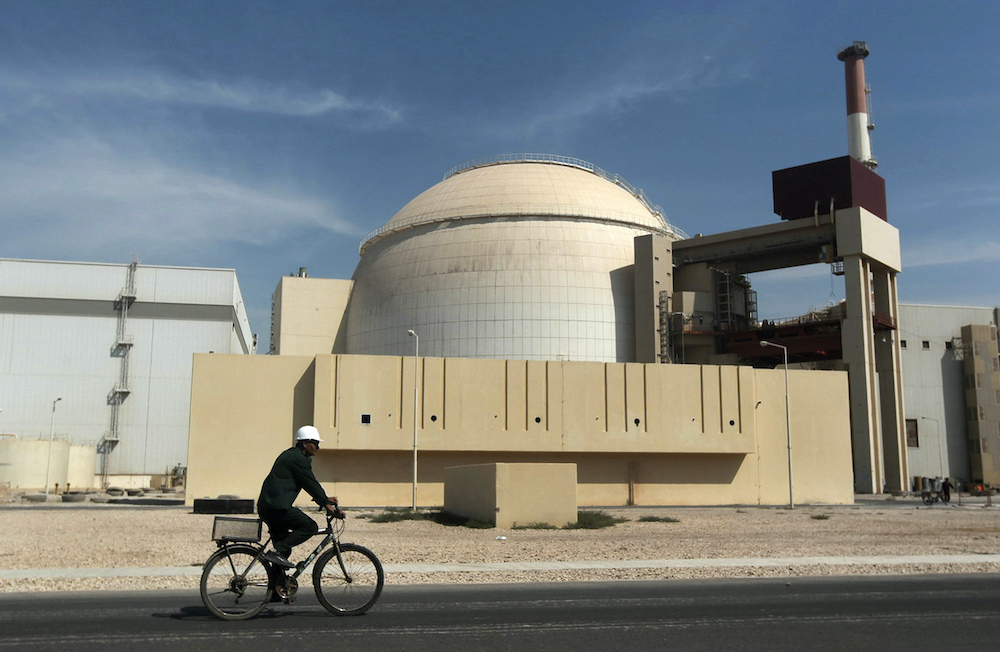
<point>307,433</point>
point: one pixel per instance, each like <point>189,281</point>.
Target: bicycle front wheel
<point>235,584</point>
<point>350,589</point>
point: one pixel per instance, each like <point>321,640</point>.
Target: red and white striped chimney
<point>858,141</point>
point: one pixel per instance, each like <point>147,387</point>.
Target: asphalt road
<point>835,613</point>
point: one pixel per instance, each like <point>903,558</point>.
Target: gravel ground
<point>118,536</point>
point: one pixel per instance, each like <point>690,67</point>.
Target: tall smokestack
<point>858,141</point>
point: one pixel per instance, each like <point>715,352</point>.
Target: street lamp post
<point>416,353</point>
<point>788,422</point>
<point>52,425</point>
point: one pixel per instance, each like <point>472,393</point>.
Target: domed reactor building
<point>538,312</point>
<point>527,258</point>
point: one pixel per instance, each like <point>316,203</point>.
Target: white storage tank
<point>23,463</point>
<point>82,462</point>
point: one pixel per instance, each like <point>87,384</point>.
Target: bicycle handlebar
<point>336,513</point>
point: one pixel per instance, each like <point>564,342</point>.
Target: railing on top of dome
<point>573,162</point>
<point>534,158</point>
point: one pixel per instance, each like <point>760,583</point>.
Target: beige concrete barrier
<point>512,494</point>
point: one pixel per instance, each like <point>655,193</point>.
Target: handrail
<point>571,161</point>
<point>538,158</point>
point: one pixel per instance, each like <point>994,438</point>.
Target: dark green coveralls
<point>289,526</point>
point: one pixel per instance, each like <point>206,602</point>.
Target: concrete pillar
<point>653,272</point>
<point>858,338</point>
<point>890,384</point>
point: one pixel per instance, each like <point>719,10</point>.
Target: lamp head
<point>411,333</point>
<point>764,343</point>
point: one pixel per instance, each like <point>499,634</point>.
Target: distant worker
<point>946,488</point>
<point>291,473</point>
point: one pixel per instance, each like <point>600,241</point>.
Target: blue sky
<point>268,136</point>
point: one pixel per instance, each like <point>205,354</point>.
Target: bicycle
<point>931,497</point>
<point>237,582</point>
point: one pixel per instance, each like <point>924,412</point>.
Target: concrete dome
<point>527,258</point>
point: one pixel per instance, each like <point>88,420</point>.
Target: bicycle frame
<point>329,536</point>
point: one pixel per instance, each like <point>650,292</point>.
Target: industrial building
<point>529,292</point>
<point>951,380</point>
<point>554,316</point>
<point>95,367</point>
<point>517,279</point>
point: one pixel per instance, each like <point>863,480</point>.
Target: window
<point>926,345</point>
<point>912,440</point>
<point>902,344</point>
<point>949,345</point>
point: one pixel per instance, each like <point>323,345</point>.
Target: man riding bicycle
<point>291,473</point>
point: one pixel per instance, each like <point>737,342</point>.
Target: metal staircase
<point>121,350</point>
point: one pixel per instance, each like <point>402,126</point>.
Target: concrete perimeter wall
<point>648,434</point>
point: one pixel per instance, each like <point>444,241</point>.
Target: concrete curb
<point>762,562</point>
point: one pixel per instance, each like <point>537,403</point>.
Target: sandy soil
<point>112,536</point>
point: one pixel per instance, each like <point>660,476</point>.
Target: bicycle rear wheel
<point>353,589</point>
<point>235,585</point>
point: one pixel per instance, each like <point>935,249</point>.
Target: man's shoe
<point>276,559</point>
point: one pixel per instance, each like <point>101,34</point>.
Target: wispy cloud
<point>82,196</point>
<point>948,250</point>
<point>985,100</point>
<point>169,88</point>
<point>948,193</point>
<point>618,93</point>
<point>652,66</point>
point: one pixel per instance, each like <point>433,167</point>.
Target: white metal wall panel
<point>180,285</point>
<point>48,351</point>
<point>154,417</point>
<point>49,357</point>
<point>24,278</point>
